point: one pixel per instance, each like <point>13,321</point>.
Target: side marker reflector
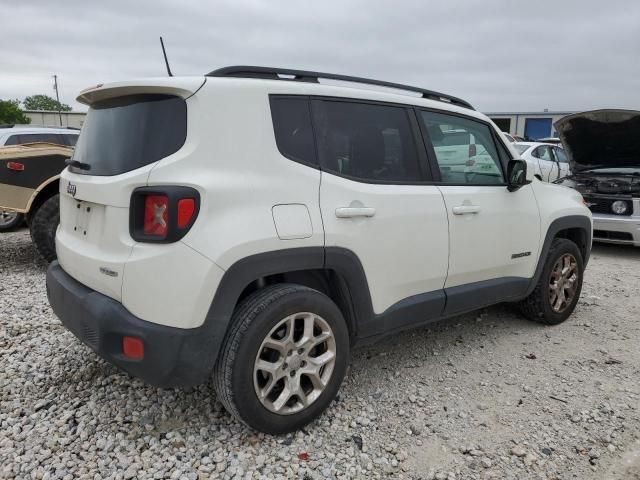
<point>133,348</point>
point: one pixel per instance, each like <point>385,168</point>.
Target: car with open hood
<point>603,147</point>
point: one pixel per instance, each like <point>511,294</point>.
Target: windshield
<point>124,133</point>
<point>521,148</point>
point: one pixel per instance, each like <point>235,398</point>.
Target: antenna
<point>55,87</point>
<point>164,52</point>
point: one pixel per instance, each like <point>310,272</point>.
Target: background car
<point>554,140</point>
<point>513,138</point>
<point>459,151</point>
<point>10,220</point>
<point>550,159</point>
<point>21,134</point>
<point>604,155</point>
<point>29,185</point>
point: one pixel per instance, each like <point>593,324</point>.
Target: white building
<point>52,119</point>
<point>529,125</point>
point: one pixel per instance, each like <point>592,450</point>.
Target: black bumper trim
<point>173,357</point>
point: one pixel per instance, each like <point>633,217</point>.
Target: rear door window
<point>129,132</point>
<point>560,155</point>
<point>368,142</point>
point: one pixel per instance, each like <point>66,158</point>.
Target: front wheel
<point>284,358</point>
<point>10,220</point>
<point>558,290</point>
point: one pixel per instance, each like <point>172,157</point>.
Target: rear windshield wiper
<point>78,164</point>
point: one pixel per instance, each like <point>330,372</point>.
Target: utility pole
<point>55,87</point>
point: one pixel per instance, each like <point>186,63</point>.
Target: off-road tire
<point>537,306</point>
<point>10,225</point>
<point>43,224</point>
<point>251,322</point>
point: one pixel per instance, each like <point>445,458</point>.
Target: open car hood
<point>601,138</point>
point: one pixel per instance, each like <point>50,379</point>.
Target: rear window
<point>36,137</point>
<point>454,138</point>
<point>520,148</point>
<point>71,140</point>
<point>129,132</point>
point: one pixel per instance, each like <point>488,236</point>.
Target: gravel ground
<point>486,395</point>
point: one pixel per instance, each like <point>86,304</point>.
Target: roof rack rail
<point>244,71</point>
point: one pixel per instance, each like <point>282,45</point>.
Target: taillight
<point>472,150</point>
<point>16,166</point>
<point>186,209</point>
<point>156,215</point>
<point>162,214</point>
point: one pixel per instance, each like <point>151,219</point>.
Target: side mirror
<point>518,174</point>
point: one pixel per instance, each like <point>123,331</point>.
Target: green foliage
<point>44,102</point>
<point>10,112</point>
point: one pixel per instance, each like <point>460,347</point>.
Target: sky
<point>500,55</point>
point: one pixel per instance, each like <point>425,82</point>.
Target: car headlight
<point>619,207</point>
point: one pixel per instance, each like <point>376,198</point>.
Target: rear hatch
<point>129,128</point>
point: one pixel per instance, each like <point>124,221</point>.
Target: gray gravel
<point>486,395</point>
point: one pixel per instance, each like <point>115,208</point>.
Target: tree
<point>10,112</point>
<point>45,102</point>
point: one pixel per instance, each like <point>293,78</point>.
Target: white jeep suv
<point>255,224</point>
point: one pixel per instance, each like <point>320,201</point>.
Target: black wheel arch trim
<point>352,285</point>
<point>245,271</point>
<point>409,312</point>
<point>580,222</point>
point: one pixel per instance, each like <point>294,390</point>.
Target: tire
<point>237,377</point>
<point>43,225</point>
<point>10,220</point>
<point>538,305</point>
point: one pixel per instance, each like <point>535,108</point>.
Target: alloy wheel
<point>563,282</point>
<point>294,363</point>
<point>7,217</point>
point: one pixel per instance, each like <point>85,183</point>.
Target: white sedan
<point>550,160</point>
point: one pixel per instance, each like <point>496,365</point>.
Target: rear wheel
<point>10,220</point>
<point>558,289</point>
<point>284,358</point>
<point>43,224</point>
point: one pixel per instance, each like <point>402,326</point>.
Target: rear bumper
<point>173,357</point>
<point>616,229</point>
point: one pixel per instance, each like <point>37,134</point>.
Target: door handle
<point>465,209</point>
<point>350,212</point>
